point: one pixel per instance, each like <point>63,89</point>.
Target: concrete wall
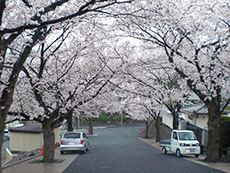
<point>29,141</point>
<point>167,119</point>
<point>197,120</point>
<point>25,141</point>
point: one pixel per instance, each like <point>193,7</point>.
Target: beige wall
<point>25,141</point>
<point>167,119</point>
<point>29,141</point>
<point>200,120</point>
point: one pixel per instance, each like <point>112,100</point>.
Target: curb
<point>20,161</point>
<point>225,167</point>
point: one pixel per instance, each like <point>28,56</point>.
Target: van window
<point>175,136</point>
<point>187,136</point>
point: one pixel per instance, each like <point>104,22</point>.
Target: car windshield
<point>72,135</point>
<point>187,136</point>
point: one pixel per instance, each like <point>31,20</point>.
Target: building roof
<point>28,128</point>
<point>193,97</point>
<point>198,109</point>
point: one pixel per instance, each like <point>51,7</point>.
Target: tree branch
<point>82,10</point>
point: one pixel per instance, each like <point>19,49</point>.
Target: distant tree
<point>157,80</point>
<point>147,109</point>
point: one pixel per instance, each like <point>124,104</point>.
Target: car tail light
<point>82,141</point>
<point>61,141</point>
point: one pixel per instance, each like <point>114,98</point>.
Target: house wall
<point>25,141</point>
<point>202,121</point>
<point>167,119</point>
<point>197,120</point>
<point>29,141</point>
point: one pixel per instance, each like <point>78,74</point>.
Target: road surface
<point>118,150</point>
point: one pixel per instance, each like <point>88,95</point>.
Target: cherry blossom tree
<point>91,109</point>
<point>194,36</point>
<point>147,109</point>
<point>67,81</point>
<point>68,72</point>
<point>25,23</point>
<point>157,80</point>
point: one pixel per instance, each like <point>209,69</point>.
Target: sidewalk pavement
<point>223,166</point>
<point>26,166</point>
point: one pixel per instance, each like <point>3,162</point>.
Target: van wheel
<point>197,155</point>
<point>178,154</point>
<point>164,150</point>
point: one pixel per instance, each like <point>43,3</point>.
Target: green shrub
<point>224,132</point>
<point>227,108</point>
<point>118,118</point>
<point>102,118</point>
<point>107,118</point>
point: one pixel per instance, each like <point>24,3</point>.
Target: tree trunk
<point>2,128</point>
<point>90,126</point>
<point>213,132</point>
<point>175,120</point>
<point>70,121</point>
<point>111,119</point>
<point>49,142</point>
<point>3,115</point>
<point>157,125</point>
<point>147,124</point>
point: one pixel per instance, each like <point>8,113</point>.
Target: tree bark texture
<point>157,125</point>
<point>147,129</point>
<point>175,120</point>
<point>49,142</point>
<point>70,121</point>
<point>213,132</point>
<point>90,124</point>
<point>2,128</point>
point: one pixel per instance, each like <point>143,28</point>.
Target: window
<point>175,136</point>
<point>191,117</point>
<point>72,135</point>
<point>187,136</point>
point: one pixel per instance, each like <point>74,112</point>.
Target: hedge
<point>107,118</point>
<point>224,132</point>
<point>118,118</point>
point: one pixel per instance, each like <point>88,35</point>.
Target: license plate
<point>187,151</point>
<point>71,143</point>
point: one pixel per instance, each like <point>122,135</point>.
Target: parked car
<point>182,142</point>
<point>6,134</point>
<point>74,141</point>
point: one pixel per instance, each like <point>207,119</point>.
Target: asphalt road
<point>119,150</point>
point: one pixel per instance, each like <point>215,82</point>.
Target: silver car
<point>74,141</point>
<point>6,134</point>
